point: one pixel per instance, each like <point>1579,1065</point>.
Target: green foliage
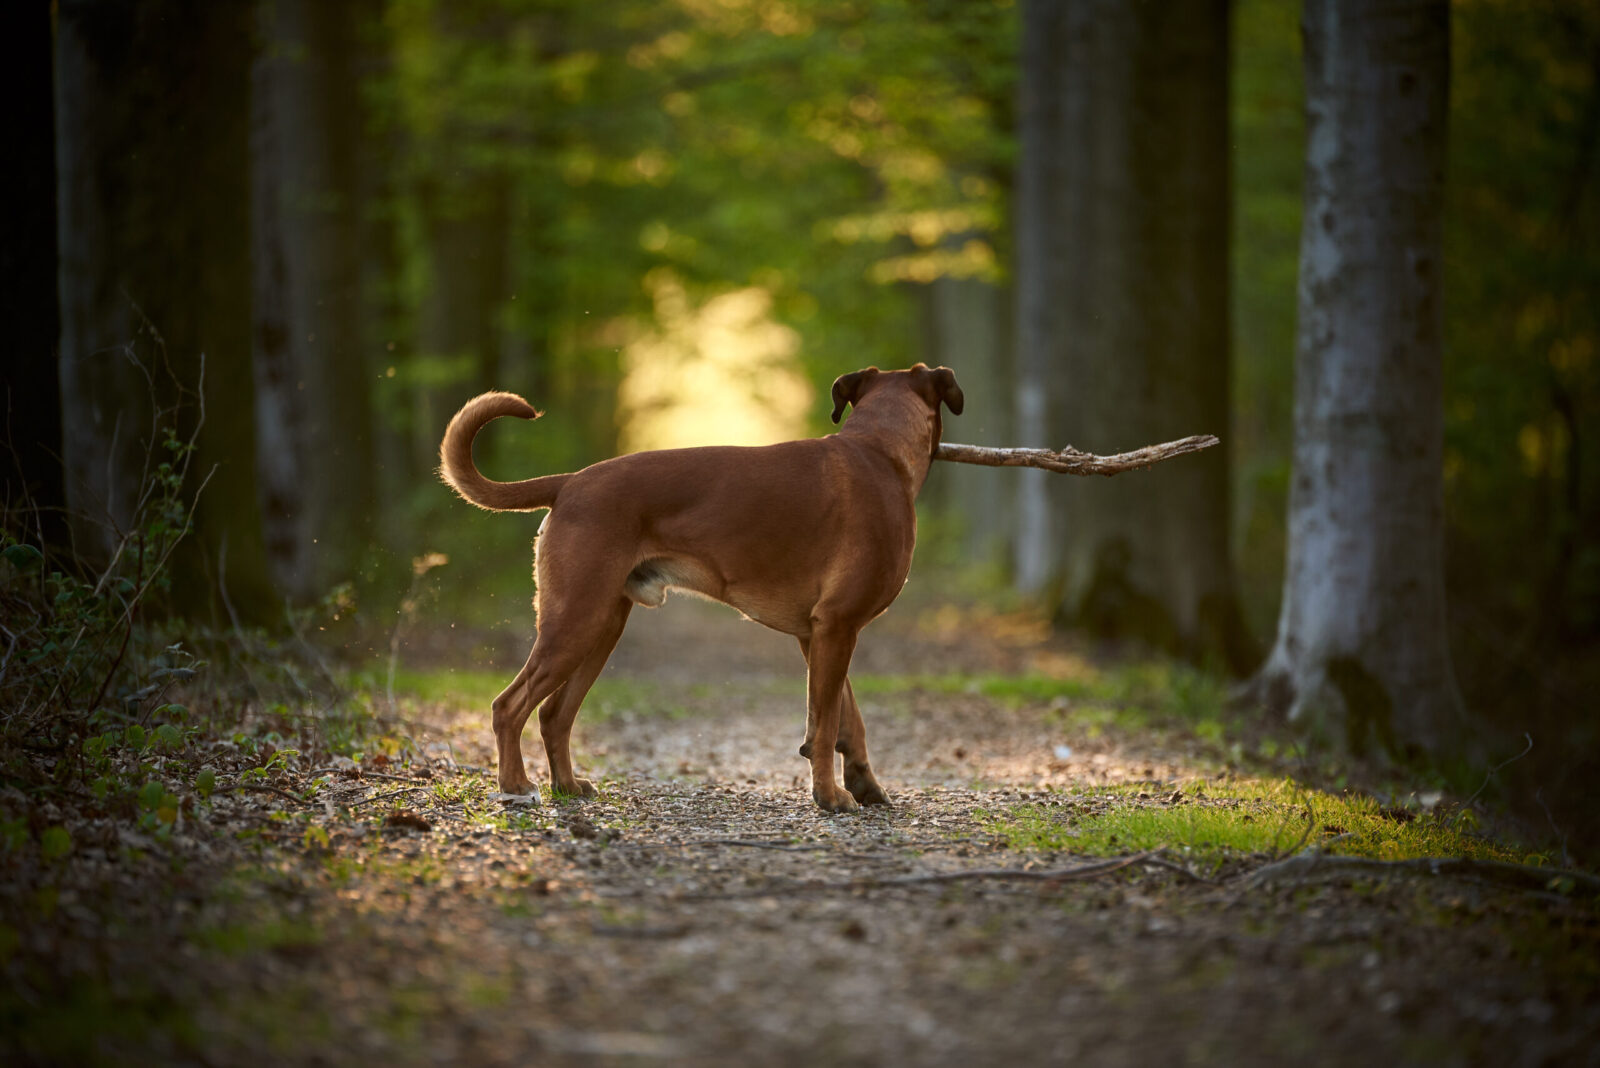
<point>1523,333</point>
<point>84,657</point>
<point>279,759</point>
<point>1269,155</point>
<point>576,157</point>
<point>55,843</point>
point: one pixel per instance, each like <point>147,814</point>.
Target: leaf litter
<point>701,910</point>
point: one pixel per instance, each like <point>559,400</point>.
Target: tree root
<point>1313,863</point>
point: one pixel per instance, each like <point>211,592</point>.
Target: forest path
<point>703,911</point>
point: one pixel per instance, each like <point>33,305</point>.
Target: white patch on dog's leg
<point>530,800</point>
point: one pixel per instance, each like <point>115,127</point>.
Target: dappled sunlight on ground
<point>1065,872</point>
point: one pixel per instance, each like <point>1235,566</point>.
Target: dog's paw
<point>834,800</point>
<point>866,790</point>
<point>578,788</point>
<point>530,799</point>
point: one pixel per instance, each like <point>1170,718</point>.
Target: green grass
<point>608,697</point>
<point>1157,688</point>
<point>1219,820</point>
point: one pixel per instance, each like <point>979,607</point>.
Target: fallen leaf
<point>407,819</point>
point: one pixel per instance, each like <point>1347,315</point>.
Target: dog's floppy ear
<point>944,380</point>
<point>846,388</point>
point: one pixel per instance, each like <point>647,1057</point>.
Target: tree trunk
<point>313,395</point>
<point>1122,332</point>
<point>152,156</point>
<point>32,390</point>
<point>465,218</point>
<point>967,334</point>
<point>1361,653</point>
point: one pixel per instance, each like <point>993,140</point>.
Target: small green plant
<point>55,843</point>
<point>278,761</point>
<point>82,658</point>
<point>158,808</point>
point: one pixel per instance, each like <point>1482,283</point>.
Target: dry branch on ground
<point>1313,863</point>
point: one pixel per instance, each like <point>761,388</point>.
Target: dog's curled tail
<point>457,469</point>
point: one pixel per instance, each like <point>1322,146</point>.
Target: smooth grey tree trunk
<point>1361,653</point>
<point>313,406</point>
<point>967,328</point>
<point>1122,316</point>
<point>105,402</point>
<point>152,164</point>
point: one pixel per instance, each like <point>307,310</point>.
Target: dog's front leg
<point>858,777</point>
<point>827,661</point>
<point>852,744</point>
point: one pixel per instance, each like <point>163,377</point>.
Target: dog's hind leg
<point>858,777</point>
<point>560,650</point>
<point>560,709</point>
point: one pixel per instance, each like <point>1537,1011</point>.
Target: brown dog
<point>812,538</point>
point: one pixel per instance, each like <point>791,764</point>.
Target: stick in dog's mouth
<point>1070,461</point>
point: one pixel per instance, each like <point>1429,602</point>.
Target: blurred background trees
<point>655,219</point>
<point>1122,316</point>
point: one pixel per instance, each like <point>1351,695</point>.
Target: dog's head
<point>934,385</point>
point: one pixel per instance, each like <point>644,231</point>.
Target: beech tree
<point>1361,652</point>
<point>1122,218</point>
<point>312,398</point>
<point>965,320</point>
<point>152,101</point>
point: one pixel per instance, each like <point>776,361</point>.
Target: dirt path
<point>703,912</point>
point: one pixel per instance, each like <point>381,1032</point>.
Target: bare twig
<point>1496,770</point>
<point>1311,825</point>
<point>390,794</point>
<point>1070,461</point>
<point>363,773</point>
<point>1538,796</point>
<point>263,788</point>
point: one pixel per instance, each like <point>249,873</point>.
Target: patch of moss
<point>1217,820</point>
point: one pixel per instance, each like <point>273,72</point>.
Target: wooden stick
<point>1070,461</point>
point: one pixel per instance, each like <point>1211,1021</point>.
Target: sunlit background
<point>674,223</point>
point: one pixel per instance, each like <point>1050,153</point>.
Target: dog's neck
<point>901,428</point>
